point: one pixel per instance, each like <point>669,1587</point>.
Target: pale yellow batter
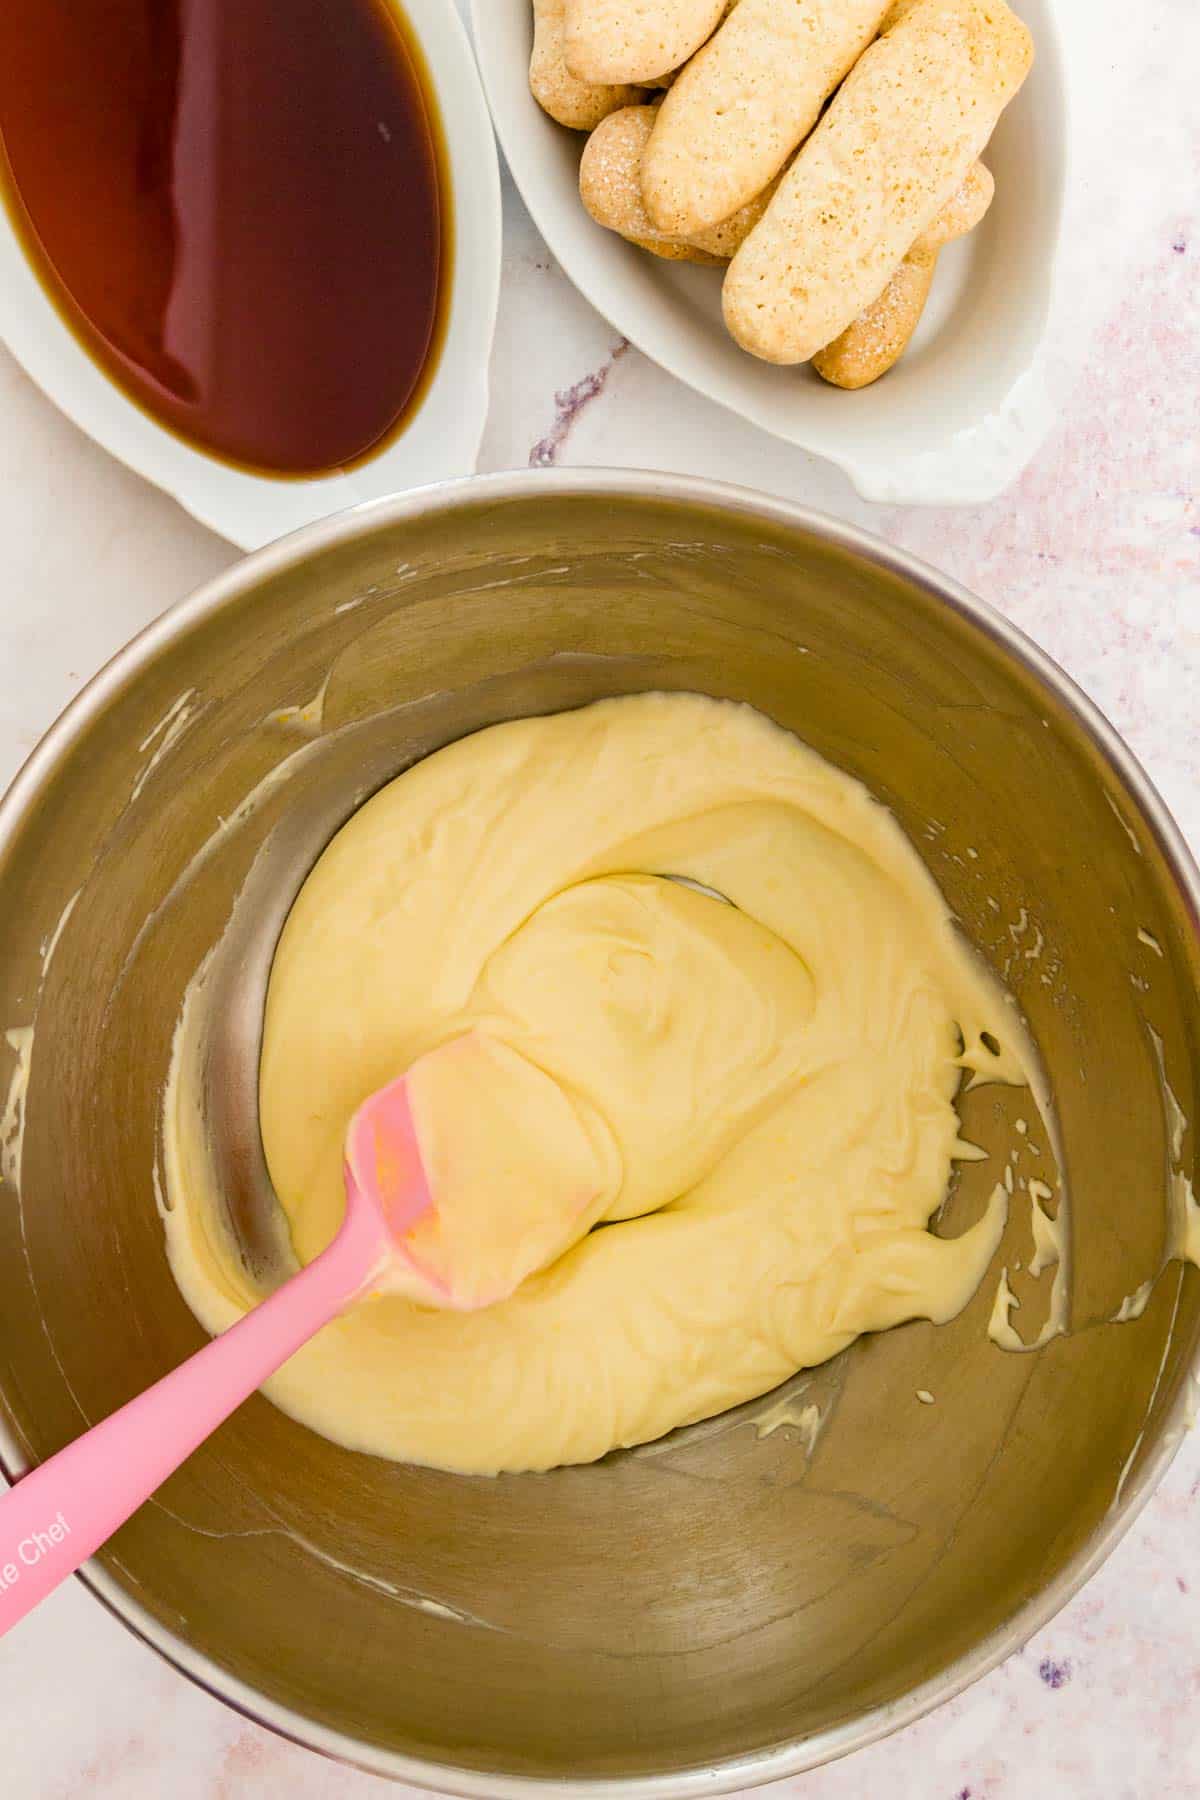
<point>769,1085</point>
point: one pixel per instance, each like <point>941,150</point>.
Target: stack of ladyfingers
<point>822,151</point>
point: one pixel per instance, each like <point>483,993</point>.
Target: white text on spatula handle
<point>30,1551</point>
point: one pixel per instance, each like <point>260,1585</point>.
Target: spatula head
<point>481,1170</point>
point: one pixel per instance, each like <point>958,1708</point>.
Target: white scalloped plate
<point>957,419</point>
<point>441,439</point>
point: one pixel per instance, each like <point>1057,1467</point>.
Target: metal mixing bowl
<point>731,1606</point>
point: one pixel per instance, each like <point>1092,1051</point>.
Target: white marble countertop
<point>1095,552</point>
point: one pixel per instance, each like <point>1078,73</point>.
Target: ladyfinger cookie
<point>611,190</point>
<point>893,148</point>
<point>878,338</point>
<point>726,239</point>
<point>578,104</point>
<point>743,103</point>
<point>964,209</point>
<point>676,250</point>
<point>635,40</point>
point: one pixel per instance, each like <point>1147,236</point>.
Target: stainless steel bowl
<point>734,1606</point>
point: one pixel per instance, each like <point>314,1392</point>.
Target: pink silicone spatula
<point>391,1238</point>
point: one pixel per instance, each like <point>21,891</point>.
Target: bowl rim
<point>443,433</point>
<point>446,498</point>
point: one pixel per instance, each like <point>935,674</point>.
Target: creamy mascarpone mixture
<point>766,1087</point>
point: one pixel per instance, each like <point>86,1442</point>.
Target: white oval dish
<point>442,437</point>
<point>957,419</point>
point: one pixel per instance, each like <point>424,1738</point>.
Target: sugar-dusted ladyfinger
<point>879,336</point>
<point>611,190</point>
<point>964,209</point>
<point>635,40</point>
<point>579,104</point>
<point>894,147</point>
<point>743,103</point>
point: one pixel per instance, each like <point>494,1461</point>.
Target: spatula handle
<point>58,1514</point>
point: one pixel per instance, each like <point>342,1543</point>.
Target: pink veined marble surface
<point>1095,552</point>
